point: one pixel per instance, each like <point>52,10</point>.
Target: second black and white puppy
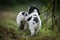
<point>34,20</point>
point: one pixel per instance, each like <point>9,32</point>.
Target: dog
<point>21,20</point>
<point>31,18</point>
<point>34,20</point>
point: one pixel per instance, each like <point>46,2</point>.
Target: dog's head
<point>33,8</point>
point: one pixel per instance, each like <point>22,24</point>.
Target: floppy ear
<point>29,18</point>
<point>38,12</point>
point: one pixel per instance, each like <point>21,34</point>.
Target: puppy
<point>34,20</point>
<point>21,19</point>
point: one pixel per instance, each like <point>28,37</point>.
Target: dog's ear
<point>38,11</point>
<point>29,18</point>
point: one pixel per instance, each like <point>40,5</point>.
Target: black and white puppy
<point>21,18</point>
<point>34,20</point>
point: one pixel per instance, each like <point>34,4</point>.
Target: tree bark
<point>53,16</point>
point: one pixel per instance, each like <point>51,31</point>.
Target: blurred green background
<point>50,16</point>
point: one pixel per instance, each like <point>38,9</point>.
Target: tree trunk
<point>53,16</point>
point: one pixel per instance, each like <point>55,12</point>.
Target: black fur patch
<point>26,15</point>
<point>29,18</point>
<point>36,19</point>
<point>23,13</point>
<point>33,22</point>
<point>32,9</point>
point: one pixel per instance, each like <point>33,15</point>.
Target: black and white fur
<point>34,20</point>
<point>22,17</point>
<point>31,18</point>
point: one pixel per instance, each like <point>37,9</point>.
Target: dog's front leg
<point>38,28</point>
<point>18,26</point>
<point>32,30</point>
